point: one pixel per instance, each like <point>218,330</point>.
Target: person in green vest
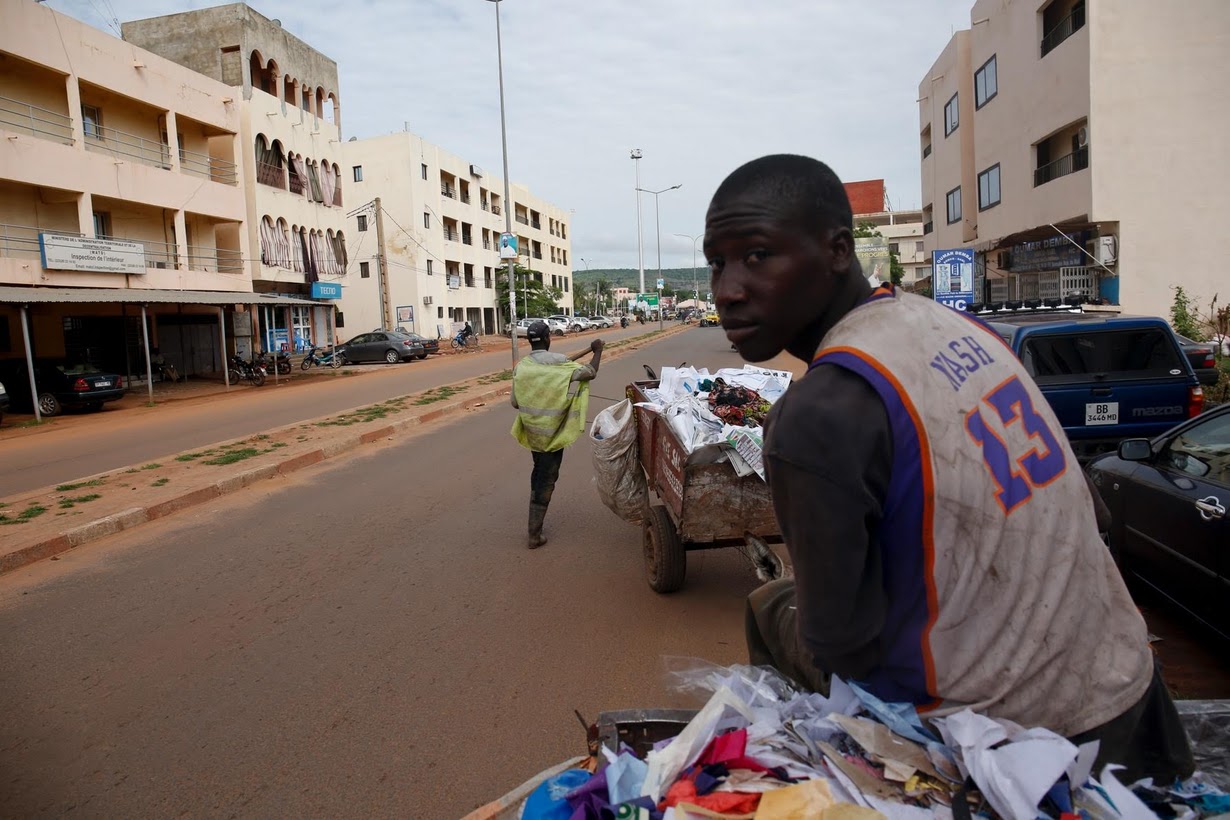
<point>551,394</point>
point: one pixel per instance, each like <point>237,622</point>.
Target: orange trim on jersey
<point>928,512</point>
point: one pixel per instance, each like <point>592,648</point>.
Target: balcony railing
<point>536,225</point>
<point>523,220</point>
<point>486,244</point>
<point>485,206</point>
<point>495,209</point>
<point>926,151</point>
<point>217,260</point>
<point>16,115</point>
<point>450,234</point>
<point>118,143</point>
<point>470,281</point>
<point>272,175</point>
<point>1068,164</point>
<point>297,184</point>
<point>928,227</point>
<point>538,254</point>
<point>22,240</point>
<point>447,190</point>
<point>465,197</point>
<point>1064,29</point>
<point>466,239</point>
<point>487,282</point>
<point>203,165</point>
<point>157,254</point>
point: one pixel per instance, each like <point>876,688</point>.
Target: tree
<point>534,299</point>
<point>1183,316</point>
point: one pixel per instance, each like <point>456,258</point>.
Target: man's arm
<point>595,347</point>
<point>829,462</point>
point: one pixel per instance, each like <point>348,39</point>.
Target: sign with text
<point>1052,253</point>
<point>953,279</point>
<point>405,314</point>
<point>326,290</point>
<point>61,252</point>
<point>874,257</point>
<point>508,246</point>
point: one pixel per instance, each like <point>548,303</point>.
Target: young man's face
<point>770,278</point>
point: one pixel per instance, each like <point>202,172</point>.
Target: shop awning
<point>36,295</point>
<point>1039,233</point>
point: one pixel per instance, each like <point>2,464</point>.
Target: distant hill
<point>677,278</point>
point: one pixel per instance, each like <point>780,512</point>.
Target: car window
<point>77,369</point>
<point>1203,451</point>
<point>361,339</point>
<point>380,337</point>
<point>1116,354</point>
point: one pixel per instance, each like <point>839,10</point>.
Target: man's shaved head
<point>802,190</point>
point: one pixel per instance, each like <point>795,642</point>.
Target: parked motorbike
<point>312,359</point>
<point>241,370</point>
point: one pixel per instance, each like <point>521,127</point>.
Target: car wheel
<point>49,405</point>
<point>392,357</point>
<point>421,356</point>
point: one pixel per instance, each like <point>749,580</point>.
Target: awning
<point>134,296</point>
<point>1039,233</point>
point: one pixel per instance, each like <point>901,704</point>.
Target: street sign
<point>952,281</point>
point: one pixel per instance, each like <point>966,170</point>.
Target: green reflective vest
<point>551,406</point>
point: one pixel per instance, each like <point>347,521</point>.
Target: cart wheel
<point>666,561</point>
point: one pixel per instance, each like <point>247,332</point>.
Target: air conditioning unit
<point>475,171</point>
<point>427,300</point>
<point>1082,136</point>
<point>1005,260</point>
<point>1107,250</point>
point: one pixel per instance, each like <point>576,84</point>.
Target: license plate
<point>1106,412</point>
<point>102,383</point>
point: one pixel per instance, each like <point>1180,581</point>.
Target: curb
<point>135,516</point>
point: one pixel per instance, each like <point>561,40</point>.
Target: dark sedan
<point>1200,355</point>
<point>60,385</point>
<point>382,346</point>
<point>1168,500</point>
<point>429,345</point>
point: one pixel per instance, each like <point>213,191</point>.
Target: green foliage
<point>1183,316</point>
<point>533,297</point>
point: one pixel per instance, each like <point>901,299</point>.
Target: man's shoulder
<point>548,357</point>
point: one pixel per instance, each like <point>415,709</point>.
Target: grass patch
<point>365,415</point>
<point>31,512</point>
<point>68,488</point>
<point>152,466</point>
<point>68,503</point>
<point>438,394</point>
<point>233,456</point>
<point>261,437</point>
<point>131,471</point>
<point>160,482</point>
<point>190,456</point>
<point>492,378</point>
<point>276,445</point>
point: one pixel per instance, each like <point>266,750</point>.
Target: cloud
<point>700,87</point>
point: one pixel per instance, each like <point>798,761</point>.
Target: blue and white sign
<point>952,278</point>
<point>326,290</point>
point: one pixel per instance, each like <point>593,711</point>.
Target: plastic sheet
<point>1208,727</point>
<point>617,472</point>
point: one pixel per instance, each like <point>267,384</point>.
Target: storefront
<point>1051,263</point>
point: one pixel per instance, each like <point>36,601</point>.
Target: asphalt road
<point>84,445</point>
<point>371,639</point>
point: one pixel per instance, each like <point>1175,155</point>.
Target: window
<point>429,267</point>
<point>1114,355</point>
<point>954,205</point>
<point>918,247</point>
<point>358,173</point>
<point>91,121</point>
<point>440,313</point>
<point>102,224</point>
<point>988,188</point>
<point>364,271</point>
<point>424,171</point>
<point>894,247</point>
<point>950,116</point>
<point>986,84</point>
<point>362,220</point>
<point>1202,451</point>
<point>565,284</point>
<point>427,220</point>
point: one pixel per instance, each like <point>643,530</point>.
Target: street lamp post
<point>640,246</point>
<point>512,286</point>
<point>695,276</point>
<point>658,229</point>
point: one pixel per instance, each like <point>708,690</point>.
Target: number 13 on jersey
<point>1044,461</point>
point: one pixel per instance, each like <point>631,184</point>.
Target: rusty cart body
<point>703,506</point>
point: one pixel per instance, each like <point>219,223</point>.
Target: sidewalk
<point>49,521</point>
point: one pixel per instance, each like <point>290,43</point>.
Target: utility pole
<point>508,203</point>
<point>382,269</point>
<point>640,247</point>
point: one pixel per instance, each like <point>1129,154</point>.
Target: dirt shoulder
<point>45,522</point>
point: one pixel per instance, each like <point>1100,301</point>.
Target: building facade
<point>120,185</point>
<point>1075,144</point>
<point>290,120</point>
<point>442,220</point>
<point>902,230</point>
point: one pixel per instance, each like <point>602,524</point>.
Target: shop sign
<point>80,253</point>
<point>952,283</point>
<point>326,290</point>
<point>1048,254</point>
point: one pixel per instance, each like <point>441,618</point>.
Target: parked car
<point>600,321</point>
<point>4,402</point>
<point>1106,377</point>
<point>61,384</point>
<point>710,319</point>
<point>429,345</point>
<point>572,324</point>
<point>1168,498</point>
<point>384,345</point>
<point>557,328</point>
<point>1201,356</point>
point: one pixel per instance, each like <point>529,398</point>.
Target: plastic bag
<point>1208,728</point>
<point>618,475</point>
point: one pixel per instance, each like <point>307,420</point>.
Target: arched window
<point>337,181</point>
<point>260,76</point>
<point>268,241</point>
<point>271,70</point>
<point>339,253</point>
<point>306,96</point>
<point>334,112</point>
<point>320,101</point>
<point>314,191</point>
<point>297,171</point>
<point>288,90</point>
<point>298,252</point>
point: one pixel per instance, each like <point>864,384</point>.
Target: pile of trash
<point>761,749</point>
<point>719,416</point>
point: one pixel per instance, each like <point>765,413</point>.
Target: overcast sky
<point>700,86</point>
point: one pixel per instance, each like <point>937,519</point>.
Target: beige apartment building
<point>287,96</point>
<point>1077,146</point>
<point>122,213</point>
<point>442,221</point>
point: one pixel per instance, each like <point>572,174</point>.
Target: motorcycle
<point>623,321</point>
<point>241,370</point>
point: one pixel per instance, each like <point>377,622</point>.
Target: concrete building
<point>443,217</point>
<point>902,230</point>
<point>1077,147</point>
<point>290,120</point>
<point>108,235</point>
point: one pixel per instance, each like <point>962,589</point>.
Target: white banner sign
<point>62,252</point>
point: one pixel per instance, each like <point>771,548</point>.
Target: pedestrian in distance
<point>551,394</point>
<point>941,531</point>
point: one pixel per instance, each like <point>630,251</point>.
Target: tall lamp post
<point>640,245</point>
<point>695,276</point>
<point>508,209</point>
<point>658,229</point>
<point>586,264</point>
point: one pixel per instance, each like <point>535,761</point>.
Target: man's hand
<point>597,345</point>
